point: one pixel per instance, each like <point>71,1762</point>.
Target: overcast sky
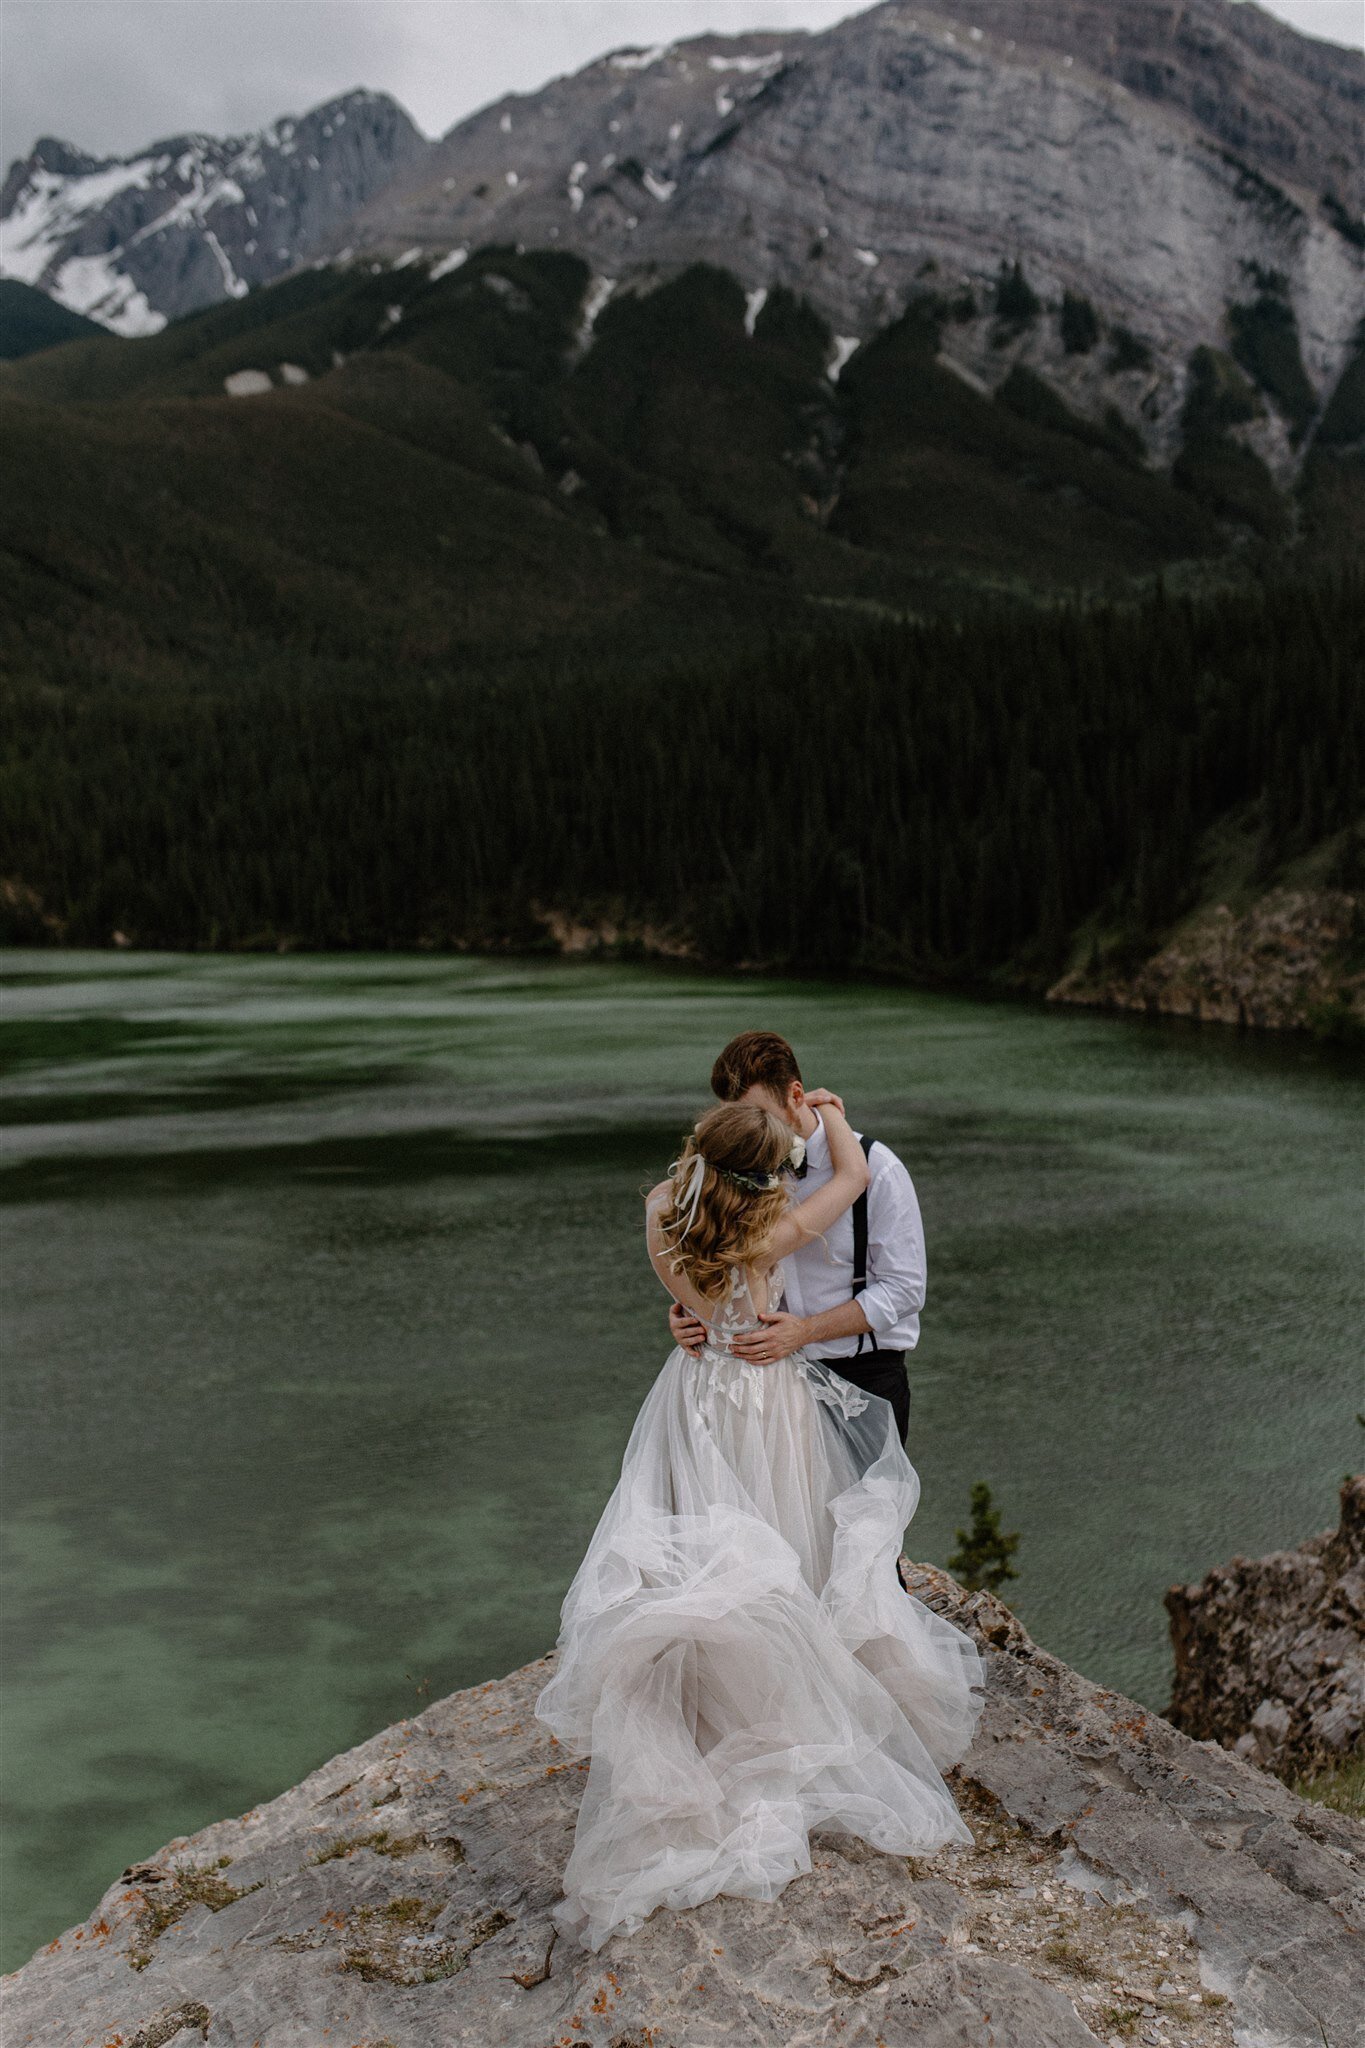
<point>113,75</point>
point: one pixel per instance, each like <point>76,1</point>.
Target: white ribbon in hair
<point>687,1196</point>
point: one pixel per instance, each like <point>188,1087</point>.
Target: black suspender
<point>867,1338</point>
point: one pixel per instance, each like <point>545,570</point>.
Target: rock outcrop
<point>1127,1884</point>
<point>1293,961</point>
<point>1280,98</point>
<point>1270,1651</point>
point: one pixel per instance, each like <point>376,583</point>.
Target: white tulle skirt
<point>736,1654</point>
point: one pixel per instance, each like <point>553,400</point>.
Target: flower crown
<point>756,1183</point>
<point>687,1185</point>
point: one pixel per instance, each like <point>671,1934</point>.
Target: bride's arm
<point>807,1219</point>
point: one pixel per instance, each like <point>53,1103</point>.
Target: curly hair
<point>734,1222</point>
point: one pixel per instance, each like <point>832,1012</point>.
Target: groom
<point>853,1296</point>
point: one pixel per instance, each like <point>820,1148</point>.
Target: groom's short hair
<point>755,1058</point>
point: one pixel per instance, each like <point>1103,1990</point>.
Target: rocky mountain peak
<point>1152,208</point>
<point>51,153</point>
<point>1056,173</point>
<point>134,241</point>
<point>1289,104</point>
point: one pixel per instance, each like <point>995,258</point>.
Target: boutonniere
<point>796,1157</point>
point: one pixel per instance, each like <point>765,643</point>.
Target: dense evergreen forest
<point>942,799</point>
<point>493,623</point>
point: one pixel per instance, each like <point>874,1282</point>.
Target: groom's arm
<point>688,1330</point>
<point>783,1333</point>
<point>846,1320</point>
<point>896,1267</point>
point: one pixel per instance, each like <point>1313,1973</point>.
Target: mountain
<point>1102,194</point>
<point>135,241</point>
<point>1136,227</point>
<point>667,434</point>
<point>1098,189</point>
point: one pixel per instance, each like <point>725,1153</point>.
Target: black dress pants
<point>883,1373</point>
<point>879,1372</point>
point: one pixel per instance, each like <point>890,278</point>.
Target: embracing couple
<point>736,1654</point>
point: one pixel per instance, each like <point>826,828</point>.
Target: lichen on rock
<point>1121,1886</point>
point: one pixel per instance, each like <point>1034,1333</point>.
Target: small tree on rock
<point>1016,302</point>
<point>982,1558</point>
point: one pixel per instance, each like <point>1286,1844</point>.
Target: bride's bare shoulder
<point>656,1236</point>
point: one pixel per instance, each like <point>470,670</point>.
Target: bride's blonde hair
<point>726,1195</point>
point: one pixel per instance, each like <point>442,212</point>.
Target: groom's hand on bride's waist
<point>780,1336</point>
<point>688,1330</point>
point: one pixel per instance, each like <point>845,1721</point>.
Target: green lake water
<point>326,1316</point>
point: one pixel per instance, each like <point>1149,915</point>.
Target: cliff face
<point>1191,173</point>
<point>1270,1651</point>
<point>1185,174</point>
<point>1292,961</point>
<point>1126,1884</point>
<point>1280,99</point>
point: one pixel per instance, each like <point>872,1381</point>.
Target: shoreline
<point>1250,972</point>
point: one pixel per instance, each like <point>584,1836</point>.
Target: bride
<point>736,1654</point>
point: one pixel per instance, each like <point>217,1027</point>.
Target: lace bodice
<point>751,1295</point>
<point>716,1376</point>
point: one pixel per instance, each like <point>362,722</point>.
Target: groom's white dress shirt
<point>820,1274</point>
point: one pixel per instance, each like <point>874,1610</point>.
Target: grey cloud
<point>111,75</point>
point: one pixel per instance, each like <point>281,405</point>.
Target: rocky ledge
<point>1270,1651</point>
<point>1294,961</point>
<point>1126,1884</point>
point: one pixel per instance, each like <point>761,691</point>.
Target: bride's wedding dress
<point>736,1654</point>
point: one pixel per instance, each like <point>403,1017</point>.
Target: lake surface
<point>326,1317</point>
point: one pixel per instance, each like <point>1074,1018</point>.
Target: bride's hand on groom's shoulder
<point>825,1098</point>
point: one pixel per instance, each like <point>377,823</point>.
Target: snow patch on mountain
<point>760,67</point>
<point>50,206</point>
<point>844,345</point>
<point>638,60</point>
<point>91,285</point>
<point>445,264</point>
<point>594,299</point>
<point>135,241</point>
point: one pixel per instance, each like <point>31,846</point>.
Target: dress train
<point>736,1655</point>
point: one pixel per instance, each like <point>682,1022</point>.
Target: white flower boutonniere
<point>797,1154</point>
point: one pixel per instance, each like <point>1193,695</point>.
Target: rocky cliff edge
<point>1127,1884</point>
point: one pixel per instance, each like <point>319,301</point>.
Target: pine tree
<point>982,1558</point>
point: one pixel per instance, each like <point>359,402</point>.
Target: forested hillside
<point>30,321</point>
<point>942,800</point>
<point>491,619</point>
<point>485,466</point>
